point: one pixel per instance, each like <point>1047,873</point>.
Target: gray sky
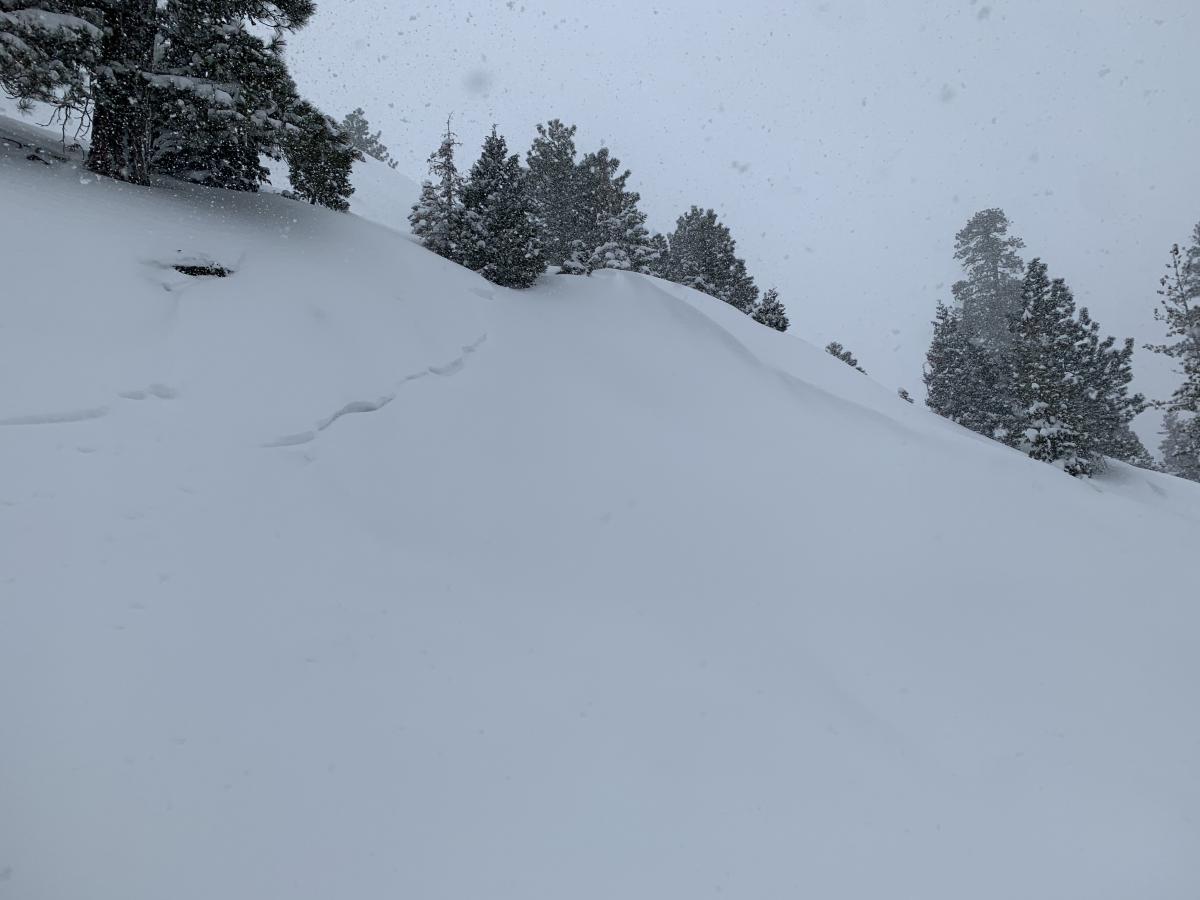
<point>843,141</point>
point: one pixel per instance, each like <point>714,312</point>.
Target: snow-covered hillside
<point>352,575</point>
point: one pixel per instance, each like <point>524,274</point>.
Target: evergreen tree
<point>222,96</point>
<point>703,255</point>
<point>1048,384</point>
<point>504,244</point>
<point>47,48</point>
<point>320,158</point>
<point>438,218</point>
<point>359,132</point>
<point>1181,445</point>
<point>554,186</point>
<point>1180,312</point>
<point>771,312</point>
<point>659,263</point>
<point>1107,408</point>
<point>182,86</point>
<point>612,230</point>
<point>964,382</point>
<point>990,295</point>
<point>837,350</point>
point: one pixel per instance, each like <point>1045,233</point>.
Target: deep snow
<point>352,575</point>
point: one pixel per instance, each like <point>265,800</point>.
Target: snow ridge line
<point>453,367</point>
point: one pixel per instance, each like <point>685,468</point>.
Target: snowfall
<point>351,575</point>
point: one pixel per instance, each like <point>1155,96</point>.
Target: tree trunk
<point>121,118</point>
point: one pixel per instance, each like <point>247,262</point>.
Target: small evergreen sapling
<point>771,312</point>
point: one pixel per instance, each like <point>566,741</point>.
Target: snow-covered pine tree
<point>47,47</point>
<point>222,98</point>
<point>964,382</point>
<point>358,129</point>
<point>834,349</point>
<point>181,86</point>
<point>438,218</point>
<point>612,230</point>
<point>320,158</point>
<point>660,256</point>
<point>990,294</point>
<point>771,312</point>
<point>553,179</point>
<point>1179,310</point>
<point>504,244</point>
<point>1181,445</point>
<point>1048,384</point>
<point>1105,372</point>
<point>703,255</point>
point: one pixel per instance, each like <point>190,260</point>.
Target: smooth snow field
<point>351,575</point>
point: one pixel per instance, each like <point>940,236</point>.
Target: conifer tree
<point>320,158</point>
<point>771,312</point>
<point>1179,310</point>
<point>47,48</point>
<point>1181,445</point>
<point>1107,408</point>
<point>833,348</point>
<point>182,86</point>
<point>990,294</point>
<point>438,218</point>
<point>504,244</point>
<point>554,186</point>
<point>1048,385</point>
<point>964,382</point>
<point>223,98</point>
<point>358,129</point>
<point>703,255</point>
<point>612,230</point>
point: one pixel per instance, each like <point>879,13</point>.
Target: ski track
<point>453,367</point>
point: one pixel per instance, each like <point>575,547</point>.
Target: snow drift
<point>350,574</point>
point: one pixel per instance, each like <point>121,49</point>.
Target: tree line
<point>184,88</point>
<point>575,214</point>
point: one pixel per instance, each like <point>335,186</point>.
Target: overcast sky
<point>843,141</point>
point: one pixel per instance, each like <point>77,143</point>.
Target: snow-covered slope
<point>351,575</point>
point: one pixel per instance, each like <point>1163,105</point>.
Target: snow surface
<point>352,575</point>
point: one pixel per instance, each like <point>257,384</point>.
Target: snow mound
<point>351,574</point>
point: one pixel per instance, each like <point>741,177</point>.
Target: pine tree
<point>554,187</point>
<point>320,158</point>
<point>964,382</point>
<point>1180,312</point>
<point>990,295</point>
<point>833,348</point>
<point>612,230</point>
<point>1181,445</point>
<point>504,244</point>
<point>1048,384</point>
<point>703,255</point>
<point>358,129</point>
<point>438,218</point>
<point>771,312</point>
<point>222,98</point>
<point>183,87</point>
<point>1107,408</point>
<point>47,48</point>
